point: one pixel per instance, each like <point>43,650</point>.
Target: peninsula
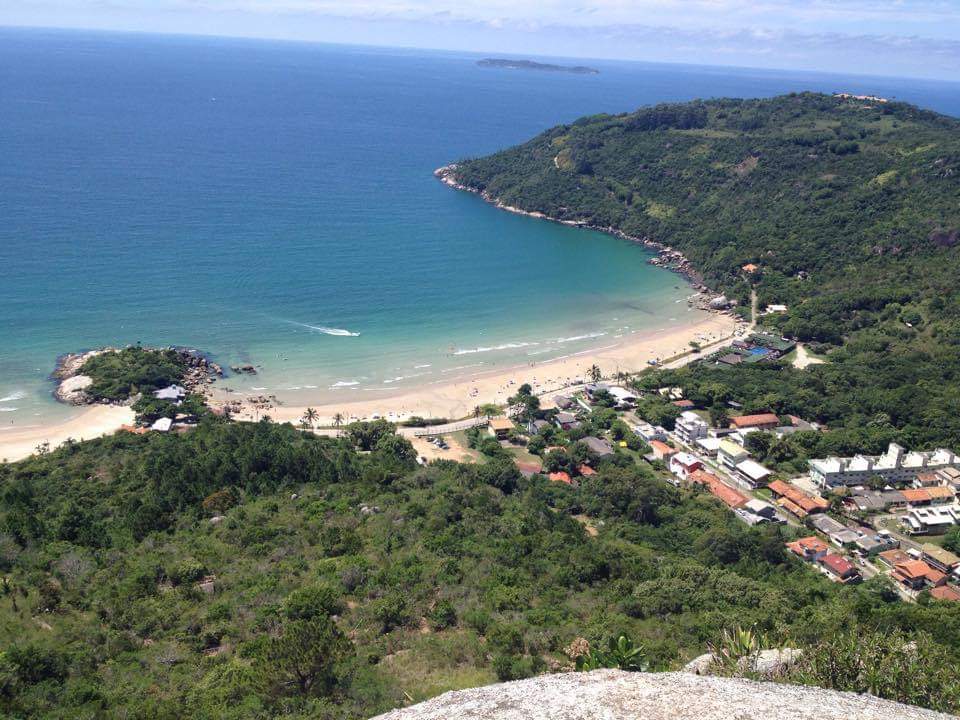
<point>532,65</point>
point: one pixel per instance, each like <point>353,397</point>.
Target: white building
<point>730,454</point>
<point>894,466</point>
<point>683,463</point>
<point>753,472</point>
<point>708,446</point>
<point>648,432</point>
<point>690,427</point>
<point>926,521</point>
<point>624,398</point>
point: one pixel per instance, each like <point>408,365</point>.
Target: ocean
<point>273,203</point>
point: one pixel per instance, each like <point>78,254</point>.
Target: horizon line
<point>299,41</point>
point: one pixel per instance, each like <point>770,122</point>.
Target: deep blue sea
<point>274,203</point>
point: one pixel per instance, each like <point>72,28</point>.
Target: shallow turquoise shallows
<point>274,203</point>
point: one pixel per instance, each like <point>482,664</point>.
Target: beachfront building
<point>895,466</point>
<point>730,454</point>
<point>500,427</point>
<point>625,399</point>
<point>690,427</point>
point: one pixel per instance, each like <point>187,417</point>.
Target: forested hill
<point>850,208</point>
<point>807,182</point>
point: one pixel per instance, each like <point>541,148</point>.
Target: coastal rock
<point>769,663</point>
<point>617,695</point>
<point>73,390</point>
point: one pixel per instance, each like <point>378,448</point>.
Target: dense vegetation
<point>123,374</point>
<point>849,208</point>
<point>255,571</point>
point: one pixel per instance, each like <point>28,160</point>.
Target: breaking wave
<point>505,346</point>
<point>18,395</point>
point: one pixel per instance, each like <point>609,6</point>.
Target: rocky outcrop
<point>73,390</point>
<point>617,695</point>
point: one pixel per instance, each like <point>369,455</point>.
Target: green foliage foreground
<point>254,571</point>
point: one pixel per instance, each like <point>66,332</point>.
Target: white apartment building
<point>690,427</point>
<point>896,465</point>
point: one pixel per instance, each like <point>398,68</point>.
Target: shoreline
<point>91,422</point>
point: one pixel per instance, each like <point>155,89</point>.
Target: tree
<point>337,421</point>
<point>309,417</point>
<point>305,655</point>
<point>594,373</point>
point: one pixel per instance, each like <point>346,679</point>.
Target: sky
<point>911,38</point>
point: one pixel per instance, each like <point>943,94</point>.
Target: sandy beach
<point>92,422</point>
<point>457,399</point>
<point>452,399</point>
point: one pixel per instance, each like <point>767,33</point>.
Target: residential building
<point>563,402</point>
<point>926,480</point>
<point>798,502</point>
<point>755,512</point>
<point>660,450</point>
<point>684,404</point>
<point>708,446</point>
<point>162,424</point>
<point>876,544</point>
<point>945,592</point>
<point>173,392</point>
<point>921,497</point>
<point>500,427</point>
<point>567,421</point>
<point>561,477</point>
<point>598,446</point>
<point>648,432</point>
<point>535,427</point>
<point>840,569</point>
<point>894,557</point>
<point>729,454</point>
<point>824,523</point>
<point>762,421</point>
<point>917,575</point>
<point>873,501</point>
<point>753,472</point>
<point>844,538</point>
<point>896,466</point>
<point>625,399</point>
<point>950,476</point>
<point>683,463</point>
<point>809,548</point>
<point>939,558</point>
<point>930,521</point>
<point>690,427</point>
<point>726,494</point>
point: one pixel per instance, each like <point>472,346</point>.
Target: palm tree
<point>477,412</point>
<point>309,417</point>
<point>337,422</point>
<point>594,373</point>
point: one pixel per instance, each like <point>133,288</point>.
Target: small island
<point>531,65</point>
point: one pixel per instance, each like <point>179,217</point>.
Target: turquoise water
<point>274,203</point>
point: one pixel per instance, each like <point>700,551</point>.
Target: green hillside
<point>850,208</point>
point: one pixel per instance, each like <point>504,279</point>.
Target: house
<point>950,477</point>
<point>896,466</point>
<point>563,402</point>
<point>625,399</point>
<point>844,538</point>
<point>173,392</point>
<point>939,559</point>
<point>796,500</point>
<point>926,480</point>
<point>535,427</point>
<point>586,471</point>
<point>162,424</point>
<point>683,463</point>
<point>708,445</point>
<point>945,592</point>
<point>754,473</point>
<point>690,427</point>
<point>684,404</point>
<point>566,421</point>
<point>872,501</point>
<point>917,575</point>
<point>726,494</point>
<point>660,450</point>
<point>500,427</point>
<point>750,268</point>
<point>892,558</point>
<point>840,569</point>
<point>761,421</point>
<point>761,510</point>
<point>598,446</point>
<point>648,432</point>
<point>730,454</point>
<point>929,521</point>
<point>824,523</point>
<point>875,544</point>
<point>809,548</point>
<point>560,477</point>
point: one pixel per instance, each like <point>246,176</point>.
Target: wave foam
<point>344,383</point>
<point>18,395</point>
<point>8,409</point>
<point>505,346</point>
<point>574,338</point>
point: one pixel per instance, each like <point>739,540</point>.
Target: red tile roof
<point>798,497</point>
<point>838,565</point>
<point>726,494</point>
<point>560,477</point>
<point>745,421</point>
<point>946,592</point>
<point>914,569</point>
<point>586,470</point>
<point>811,545</point>
<point>684,404</point>
<point>661,448</point>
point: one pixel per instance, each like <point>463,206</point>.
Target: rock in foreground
<point>616,695</point>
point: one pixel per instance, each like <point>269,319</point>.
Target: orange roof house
<point>560,477</point>
<point>916,574</point>
<point>750,268</point>
<point>724,493</point>
<point>946,592</point>
<point>586,470</point>
<point>793,498</point>
<point>809,548</point>
<point>661,451</point>
<point>762,421</point>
